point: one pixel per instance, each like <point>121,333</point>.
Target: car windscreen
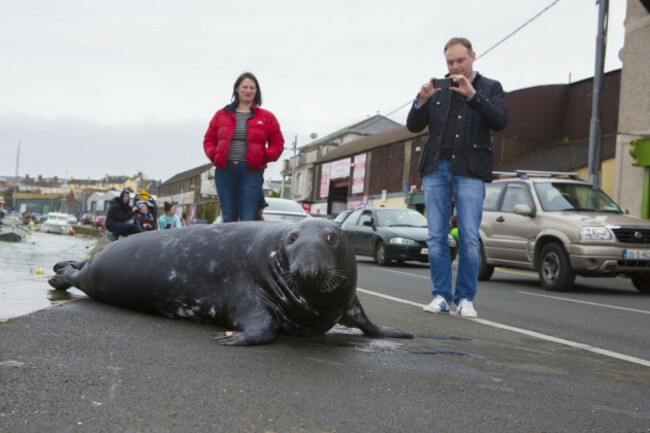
<point>565,196</point>
<point>400,218</point>
<point>341,217</point>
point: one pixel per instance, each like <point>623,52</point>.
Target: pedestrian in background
<point>241,140</point>
<point>169,220</point>
<point>118,216</point>
<point>456,161</point>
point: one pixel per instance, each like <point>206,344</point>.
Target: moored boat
<point>13,233</point>
<point>56,222</point>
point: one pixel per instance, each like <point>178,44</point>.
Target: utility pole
<point>293,169</point>
<point>595,132</point>
<point>16,178</point>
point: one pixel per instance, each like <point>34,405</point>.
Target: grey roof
<point>364,144</point>
<point>114,179</point>
<point>371,125</point>
<point>563,157</point>
<point>197,171</point>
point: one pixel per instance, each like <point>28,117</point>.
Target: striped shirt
<point>237,149</point>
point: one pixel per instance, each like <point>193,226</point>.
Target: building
<point>632,183</point>
<point>97,202</point>
<point>300,168</point>
<point>41,195</point>
<point>193,192</point>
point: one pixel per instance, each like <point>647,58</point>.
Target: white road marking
<point>634,310</point>
<point>541,336</point>
<point>428,277</point>
<point>503,270</point>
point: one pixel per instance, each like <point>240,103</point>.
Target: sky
<point>93,88</point>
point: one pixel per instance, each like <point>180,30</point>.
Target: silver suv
<point>560,226</point>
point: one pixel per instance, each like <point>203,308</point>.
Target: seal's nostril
<point>308,270</point>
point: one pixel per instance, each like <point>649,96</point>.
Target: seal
<point>256,279</point>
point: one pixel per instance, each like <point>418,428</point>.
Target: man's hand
<point>465,87</point>
<point>426,92</point>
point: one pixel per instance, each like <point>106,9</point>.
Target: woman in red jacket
<point>241,139</point>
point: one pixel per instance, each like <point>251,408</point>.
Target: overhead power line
<point>493,46</point>
<point>518,28</point>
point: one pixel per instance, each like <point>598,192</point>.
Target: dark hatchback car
<point>389,234</point>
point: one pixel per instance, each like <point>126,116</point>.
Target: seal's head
<point>318,259</point>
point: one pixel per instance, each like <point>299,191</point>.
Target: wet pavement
<point>23,288</point>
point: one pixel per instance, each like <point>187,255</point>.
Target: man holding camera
<point>456,161</point>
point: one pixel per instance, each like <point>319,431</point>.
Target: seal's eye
<point>331,238</point>
<point>292,238</point>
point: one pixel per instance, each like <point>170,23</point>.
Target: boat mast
<point>16,178</point>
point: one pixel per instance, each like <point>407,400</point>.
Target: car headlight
<point>595,234</point>
<point>402,241</point>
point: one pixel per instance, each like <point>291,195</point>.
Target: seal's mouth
<point>311,275</point>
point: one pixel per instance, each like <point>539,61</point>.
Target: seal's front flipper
<point>257,327</point>
<point>355,317</point>
<point>246,337</point>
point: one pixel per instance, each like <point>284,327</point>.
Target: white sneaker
<point>466,309</point>
<point>438,305</point>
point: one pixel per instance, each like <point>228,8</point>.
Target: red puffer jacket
<point>261,128</point>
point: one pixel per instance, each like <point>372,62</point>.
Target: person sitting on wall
<point>118,216</point>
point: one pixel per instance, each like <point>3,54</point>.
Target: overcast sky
<point>93,88</point>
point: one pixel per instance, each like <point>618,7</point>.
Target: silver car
<point>280,209</point>
<point>561,226</point>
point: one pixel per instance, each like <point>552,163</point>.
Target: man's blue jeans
<point>468,194</point>
<point>239,191</point>
<point>121,228</point>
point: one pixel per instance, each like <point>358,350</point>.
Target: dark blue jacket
<point>472,153</point>
<point>118,211</point>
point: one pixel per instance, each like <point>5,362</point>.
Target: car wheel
<point>380,254</point>
<point>555,271</point>
<point>485,271</point>
<point>641,282</point>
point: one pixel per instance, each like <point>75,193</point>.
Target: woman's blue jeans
<point>468,193</point>
<point>239,191</point>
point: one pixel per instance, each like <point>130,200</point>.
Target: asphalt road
<point>607,313</point>
<point>87,367</point>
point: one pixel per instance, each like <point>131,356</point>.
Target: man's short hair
<point>455,41</point>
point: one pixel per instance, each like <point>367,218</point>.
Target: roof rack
<point>535,173</point>
<point>503,174</point>
<point>525,174</point>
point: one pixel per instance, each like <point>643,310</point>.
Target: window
<point>298,184</point>
<point>515,194</point>
<point>568,196</point>
<point>353,218</point>
<point>492,194</point>
<point>365,216</point>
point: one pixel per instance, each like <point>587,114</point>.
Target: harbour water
<point>23,288</point>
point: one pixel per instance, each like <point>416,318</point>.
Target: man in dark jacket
<point>456,161</point>
<point>119,212</point>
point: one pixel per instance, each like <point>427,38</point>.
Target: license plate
<point>424,251</point>
<point>636,254</point>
